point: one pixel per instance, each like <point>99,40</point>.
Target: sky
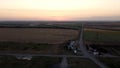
<point>60,10</point>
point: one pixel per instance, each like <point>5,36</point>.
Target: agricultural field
<point>98,35</point>
<point>34,48</point>
<point>37,35</point>
<point>104,41</point>
<point>35,40</point>
<point>24,47</point>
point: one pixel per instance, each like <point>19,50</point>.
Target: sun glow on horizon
<point>57,9</point>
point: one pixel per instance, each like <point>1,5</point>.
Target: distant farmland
<point>37,35</point>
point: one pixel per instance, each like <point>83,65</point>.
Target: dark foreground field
<point>111,62</point>
<point>44,62</point>
<point>35,62</point>
<point>54,62</point>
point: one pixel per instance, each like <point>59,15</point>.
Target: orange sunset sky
<point>59,10</point>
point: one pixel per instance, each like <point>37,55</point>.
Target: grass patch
<point>102,36</point>
<point>23,46</point>
<point>81,63</point>
<point>111,62</point>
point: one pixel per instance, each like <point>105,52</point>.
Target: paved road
<point>85,52</point>
<point>20,54</point>
<point>64,63</point>
<point>27,55</point>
